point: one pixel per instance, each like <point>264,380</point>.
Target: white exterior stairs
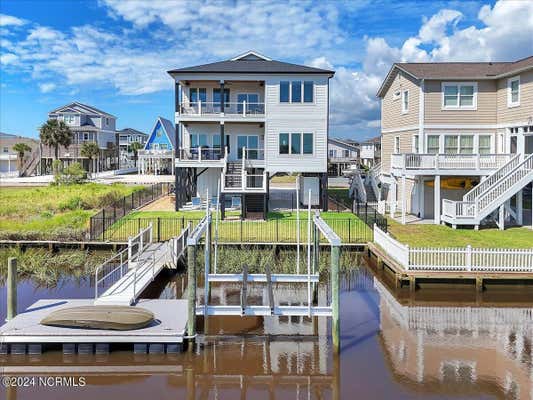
<point>492,193</point>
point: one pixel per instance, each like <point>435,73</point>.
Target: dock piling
<point>335,328</point>
<point>191,279</point>
<point>11,288</point>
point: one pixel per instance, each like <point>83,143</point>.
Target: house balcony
<point>229,111</point>
<point>206,157</point>
<point>447,164</point>
<point>244,182</point>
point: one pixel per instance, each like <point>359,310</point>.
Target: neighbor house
<point>157,157</point>
<point>457,140</point>
<point>371,152</point>
<point>342,154</point>
<point>10,164</point>
<point>88,124</point>
<point>242,121</point>
<point>126,137</point>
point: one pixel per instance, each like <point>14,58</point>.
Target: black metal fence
<point>107,216</point>
<point>283,230</point>
<point>366,212</point>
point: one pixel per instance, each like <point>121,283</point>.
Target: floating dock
<point>24,333</point>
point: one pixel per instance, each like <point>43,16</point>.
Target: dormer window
<point>405,102</point>
<point>513,92</point>
<point>69,119</point>
<point>459,96</point>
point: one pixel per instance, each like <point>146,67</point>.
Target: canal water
<point>438,343</point>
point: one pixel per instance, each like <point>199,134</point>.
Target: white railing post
<point>151,233</point>
<point>408,253</point>
<point>478,162</point>
<point>469,258</point>
<point>243,170</point>
<point>199,153</point>
<point>130,244</point>
<point>199,107</point>
<point>244,108</point>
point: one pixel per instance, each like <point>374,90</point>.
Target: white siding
<point>296,118</point>
<point>208,181</point>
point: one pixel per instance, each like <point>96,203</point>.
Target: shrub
<point>72,203</point>
<point>73,174</point>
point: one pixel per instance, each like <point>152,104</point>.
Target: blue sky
<point>113,54</point>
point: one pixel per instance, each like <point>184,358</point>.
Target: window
<point>107,121</point>
<point>284,92</point>
<point>163,146</point>
<point>6,150</point>
<point>197,94</point>
<point>396,144</point>
<point>308,91</point>
<point>405,101</point>
<point>216,141</point>
<point>308,143</point>
<point>513,92</point>
<point>416,141</point>
<point>396,95</point>
<point>450,144</point>
<point>433,144</point>
<point>459,96</point>
<point>485,144</point>
<point>198,140</point>
<point>346,153</point>
<point>296,143</point>
<point>216,97</point>
<point>466,144</point>
<point>296,92</point>
<point>69,119</point>
<point>252,102</point>
<point>283,143</point>
<point>332,153</point>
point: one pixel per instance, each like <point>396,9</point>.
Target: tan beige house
<point>457,141</point>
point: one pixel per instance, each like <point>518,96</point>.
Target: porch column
<point>404,203</point>
<point>421,198</point>
<point>222,96</point>
<point>519,208</point>
<point>393,197</point>
<point>437,199</point>
<point>222,142</point>
<point>501,217</point>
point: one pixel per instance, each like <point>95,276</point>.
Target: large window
<point>459,144</point>
<point>197,94</point>
<point>296,143</point>
<point>284,92</point>
<point>296,92</point>
<point>308,91</point>
<point>485,144</point>
<point>308,143</point>
<point>416,144</point>
<point>466,144</point>
<point>433,144</point>
<point>69,119</point>
<point>216,97</point>
<point>396,145</point>
<point>513,92</point>
<point>198,140</point>
<point>459,95</point>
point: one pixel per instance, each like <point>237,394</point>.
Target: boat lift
<point>317,227</point>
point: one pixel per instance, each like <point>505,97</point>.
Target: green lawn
<point>54,212</point>
<point>421,235</point>
<point>279,226</point>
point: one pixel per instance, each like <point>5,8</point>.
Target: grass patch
<point>47,268</point>
<point>54,212</point>
<point>280,227</point>
<point>421,235</point>
<point>283,179</point>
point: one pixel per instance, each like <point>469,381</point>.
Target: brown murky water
<point>441,342</point>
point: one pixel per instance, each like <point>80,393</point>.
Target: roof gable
<point>251,55</point>
<point>80,108</point>
<point>167,134</point>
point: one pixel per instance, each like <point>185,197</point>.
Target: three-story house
<point>241,121</point>
<point>457,140</point>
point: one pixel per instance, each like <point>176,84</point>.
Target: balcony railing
<point>202,154</point>
<point>458,209</point>
<point>243,109</point>
<point>252,154</point>
<point>412,161</point>
<point>161,153</point>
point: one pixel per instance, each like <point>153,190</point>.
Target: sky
<point>114,54</point>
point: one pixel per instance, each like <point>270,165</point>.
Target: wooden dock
<point>24,333</point>
<point>402,276</point>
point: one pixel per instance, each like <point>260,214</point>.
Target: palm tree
<point>21,148</point>
<point>90,150</point>
<point>135,147</point>
<point>55,133</point>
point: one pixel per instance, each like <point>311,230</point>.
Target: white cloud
<point>9,20</point>
<point>47,87</point>
<point>8,58</point>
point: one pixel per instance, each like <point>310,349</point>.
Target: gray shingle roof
<point>252,66</point>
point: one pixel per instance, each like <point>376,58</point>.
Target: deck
<point>25,328</point>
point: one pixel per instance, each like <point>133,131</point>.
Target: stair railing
<point>243,171</point>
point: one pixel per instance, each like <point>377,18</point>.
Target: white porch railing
<point>158,153</point>
<point>244,109</point>
<point>387,207</point>
<point>413,161</point>
<point>137,243</point>
<point>202,154</point>
<point>455,259</point>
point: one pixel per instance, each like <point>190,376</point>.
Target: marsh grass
<point>231,260</point>
<point>46,268</point>
<point>54,212</point>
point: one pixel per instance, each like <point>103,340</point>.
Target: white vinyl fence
<point>455,259</point>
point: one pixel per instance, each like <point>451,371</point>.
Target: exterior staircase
<point>233,175</point>
<point>487,197</point>
<point>31,163</point>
